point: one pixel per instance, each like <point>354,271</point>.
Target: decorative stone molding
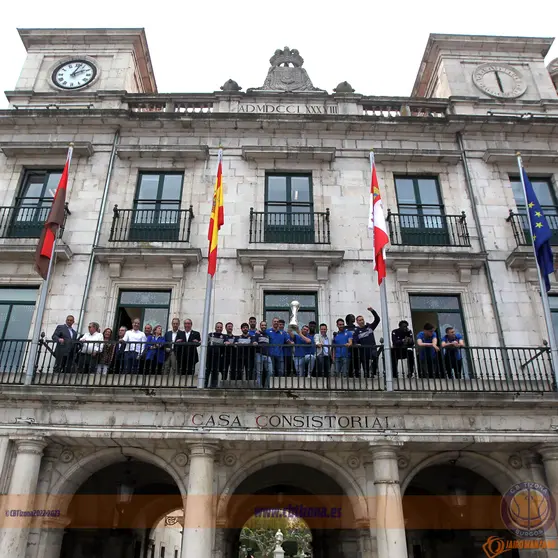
<point>23,250</point>
<point>537,156</point>
<point>178,258</point>
<point>200,449</point>
<point>66,456</point>
<point>291,153</point>
<point>465,271</point>
<point>30,445</point>
<point>353,461</point>
<point>229,459</point>
<point>515,461</point>
<point>163,152</point>
<point>549,453</point>
<point>401,268</point>
<point>181,459</point>
<point>45,148</point>
<point>261,259</point>
<point>439,156</point>
<point>402,462</point>
<point>405,259</point>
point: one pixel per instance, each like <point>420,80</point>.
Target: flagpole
<point>39,319</point>
<point>386,334</point>
<point>542,286</point>
<point>205,331</point>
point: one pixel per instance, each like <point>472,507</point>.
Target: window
<point>421,212</point>
<point>278,304</point>
<point>33,203</point>
<point>151,307</point>
<point>289,209</point>
<point>442,311</point>
<point>16,312</point>
<point>157,207</point>
<point>545,194</point>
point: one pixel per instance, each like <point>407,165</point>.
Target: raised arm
<point>376,321</point>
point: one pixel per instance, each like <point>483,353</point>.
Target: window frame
<point>13,303</point>
<point>141,306</point>
<point>294,295</point>
<point>31,228</point>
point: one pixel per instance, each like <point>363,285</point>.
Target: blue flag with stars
<point>540,231</point>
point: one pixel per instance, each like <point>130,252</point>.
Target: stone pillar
<point>535,473</point>
<point>550,461</point>
<point>21,495</point>
<point>199,520</point>
<point>390,523</point>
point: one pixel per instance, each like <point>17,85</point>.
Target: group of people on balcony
<point>257,354</point>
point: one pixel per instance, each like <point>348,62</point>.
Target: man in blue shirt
<point>304,353</point>
<point>342,340</point>
<point>453,359</point>
<point>364,345</point>
<point>427,342</point>
<point>277,339</point>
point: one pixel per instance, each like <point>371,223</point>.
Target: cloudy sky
<point>197,46</point>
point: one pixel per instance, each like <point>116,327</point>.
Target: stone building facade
<point>446,161</point>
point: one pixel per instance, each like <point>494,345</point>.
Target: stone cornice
<point>291,153</point>
<point>45,148</point>
<point>450,157</point>
<point>163,151</point>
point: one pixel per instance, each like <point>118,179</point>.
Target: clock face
<point>499,80</point>
<point>74,74</point>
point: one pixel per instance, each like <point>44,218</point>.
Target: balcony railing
<point>520,226</point>
<point>289,228</point>
<point>422,229</point>
<point>26,221</point>
<point>270,367</point>
<point>151,225</point>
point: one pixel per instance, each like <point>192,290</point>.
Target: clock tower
<point>481,71</point>
<point>89,67</point>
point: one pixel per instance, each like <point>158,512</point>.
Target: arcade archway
<point>451,511</point>
<point>297,489</point>
<point>112,514</point>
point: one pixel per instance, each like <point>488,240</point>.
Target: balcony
<point>520,226</point>
<point>289,228</point>
<point>151,225</point>
<point>20,227</point>
<point>427,230</point>
<point>237,366</point>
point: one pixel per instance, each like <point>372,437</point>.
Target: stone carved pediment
<point>287,74</point>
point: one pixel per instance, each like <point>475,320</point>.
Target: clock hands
<point>77,70</point>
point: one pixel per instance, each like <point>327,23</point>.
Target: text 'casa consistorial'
<point>287,421</point>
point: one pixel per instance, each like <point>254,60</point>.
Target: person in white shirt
<point>92,341</point>
<point>135,341</point>
<point>323,352</point>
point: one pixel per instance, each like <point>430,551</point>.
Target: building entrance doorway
<point>129,509</point>
<point>311,509</point>
<point>452,511</point>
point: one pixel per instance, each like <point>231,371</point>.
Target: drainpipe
<point>98,229</point>
<point>469,184</point>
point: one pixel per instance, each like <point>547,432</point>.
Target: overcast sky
<point>197,46</point>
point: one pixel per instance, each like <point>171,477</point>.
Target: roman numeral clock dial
<point>74,75</point>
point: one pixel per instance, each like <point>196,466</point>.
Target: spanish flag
<point>217,217</point>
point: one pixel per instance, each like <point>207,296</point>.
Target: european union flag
<point>540,231</point>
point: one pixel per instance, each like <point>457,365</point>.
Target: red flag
<point>54,221</point>
<point>217,218</point>
<point>377,223</point>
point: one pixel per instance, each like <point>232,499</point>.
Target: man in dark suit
<point>174,350</point>
<point>193,341</point>
<point>64,337</point>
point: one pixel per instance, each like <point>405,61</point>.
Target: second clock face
<point>74,74</point>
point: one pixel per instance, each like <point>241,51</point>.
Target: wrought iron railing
<point>151,225</point>
<point>520,226</point>
<point>420,228</point>
<point>270,367</point>
<point>26,221</point>
<point>290,228</point>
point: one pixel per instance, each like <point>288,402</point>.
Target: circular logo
<point>528,509</point>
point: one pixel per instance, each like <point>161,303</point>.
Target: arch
<point>493,471</point>
<point>296,457</point>
<point>70,482</point>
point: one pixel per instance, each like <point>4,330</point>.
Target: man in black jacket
<point>364,345</point>
<point>174,348</point>
<point>402,343</point>
<point>190,355</point>
<point>65,337</point>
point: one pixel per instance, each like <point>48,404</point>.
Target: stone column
<point>199,520</point>
<point>21,495</point>
<point>390,524</point>
<point>550,461</point>
<point>535,473</point>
